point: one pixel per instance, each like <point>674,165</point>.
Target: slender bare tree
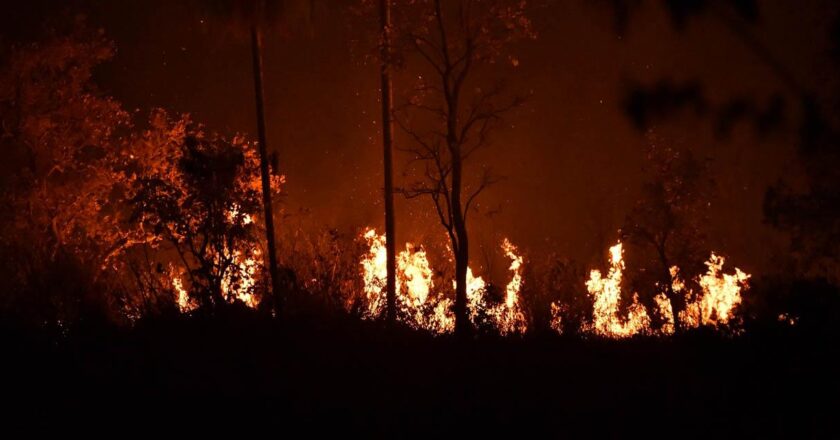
<point>452,115</point>
<point>265,177</point>
<point>387,145</point>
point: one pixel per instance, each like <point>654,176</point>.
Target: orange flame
<point>182,297</point>
<point>417,303</point>
<point>414,286</point>
<point>245,270</point>
<point>509,316</point>
<point>556,323</point>
<point>714,306</point>
<point>721,294</point>
<point>606,293</point>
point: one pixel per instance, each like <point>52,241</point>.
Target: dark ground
<point>340,375</point>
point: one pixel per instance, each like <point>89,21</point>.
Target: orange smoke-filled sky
<point>573,161</point>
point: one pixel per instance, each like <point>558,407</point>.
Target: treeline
<point>111,217</point>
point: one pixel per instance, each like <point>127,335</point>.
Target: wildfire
<point>420,306</point>
<point>509,316</point>
<point>665,312</point>
<point>246,272</point>
<point>606,293</point>
<point>375,272</point>
<point>414,286</point>
<point>713,306</point>
<point>476,289</point>
<point>182,297</point>
<point>721,294</point>
<point>556,323</point>
<point>238,282</point>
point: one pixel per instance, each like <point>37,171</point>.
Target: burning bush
<point>194,197</point>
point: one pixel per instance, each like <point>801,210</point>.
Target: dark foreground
<point>343,376</point>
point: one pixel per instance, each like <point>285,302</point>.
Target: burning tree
<point>667,223</point>
<point>453,39</point>
<point>106,216</point>
<point>199,193</point>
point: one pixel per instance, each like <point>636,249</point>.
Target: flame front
<point>721,294</point>
<point>182,297</point>
<point>606,294</point>
<point>509,316</point>
<point>414,286</point>
<point>419,306</point>
<point>713,306</point>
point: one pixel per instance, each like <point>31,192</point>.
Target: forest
<point>407,218</point>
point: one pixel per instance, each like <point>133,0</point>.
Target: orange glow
<point>606,293</point>
<point>182,298</point>
<point>714,306</point>
<point>420,306</point>
<point>509,315</point>
<point>239,280</point>
<point>414,285</point>
<point>721,295</point>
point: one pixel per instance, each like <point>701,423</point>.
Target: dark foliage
<point>345,375</point>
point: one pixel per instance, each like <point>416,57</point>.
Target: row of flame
<point>420,307</point>
<point>713,306</point>
<point>417,307</point>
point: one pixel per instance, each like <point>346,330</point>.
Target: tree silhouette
<point>199,196</point>
<point>808,214</point>
<point>453,39</point>
<point>387,146</point>
<point>667,223</point>
<point>254,16</point>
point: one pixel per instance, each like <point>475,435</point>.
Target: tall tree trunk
<point>462,319</point>
<point>387,143</point>
<point>256,48</point>
<point>462,250</point>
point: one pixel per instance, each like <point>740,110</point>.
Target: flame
<point>606,293</point>
<point>247,272</point>
<point>721,295</point>
<point>556,323</point>
<point>509,315</point>
<point>506,317</point>
<point>182,297</point>
<point>713,306</point>
<point>416,274</point>
<point>243,269</point>
<point>476,289</point>
<point>374,271</point>
<point>786,318</point>
<point>420,306</point>
<point>414,286</point>
<point>665,312</point>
